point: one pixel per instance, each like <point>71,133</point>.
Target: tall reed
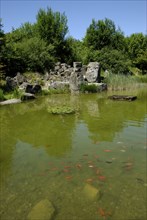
<point>121,82</point>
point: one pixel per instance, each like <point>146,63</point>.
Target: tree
<point>136,45</point>
<point>2,48</point>
<point>141,62</point>
<point>103,33</point>
<point>52,28</point>
<point>112,60</point>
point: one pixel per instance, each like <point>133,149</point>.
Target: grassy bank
<point>123,82</point>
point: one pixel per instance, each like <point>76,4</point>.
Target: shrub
<point>88,88</point>
<point>2,97</point>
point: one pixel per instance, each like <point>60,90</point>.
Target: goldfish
<point>103,213</point>
<point>79,166</point>
<point>89,180</point>
<point>67,167</point>
<point>68,177</point>
<point>54,168</point>
<point>66,170</point>
<point>107,150</point>
<point>98,171</point>
<point>102,178</point>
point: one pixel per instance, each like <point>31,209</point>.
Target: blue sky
<point>129,15</point>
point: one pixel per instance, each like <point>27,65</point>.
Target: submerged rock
<point>43,210</point>
<point>123,97</point>
<point>91,192</point>
<point>10,101</point>
<point>27,96</point>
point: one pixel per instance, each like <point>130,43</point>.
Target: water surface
<point>45,156</point>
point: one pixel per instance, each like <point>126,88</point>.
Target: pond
<point>90,165</point>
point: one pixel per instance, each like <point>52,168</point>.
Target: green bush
<point>88,88</point>
<point>45,92</point>
<point>2,97</point>
<point>17,93</point>
<point>65,90</point>
<point>14,94</point>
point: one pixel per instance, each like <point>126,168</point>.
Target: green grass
<point>123,82</point>
<point>65,90</point>
<point>88,88</point>
<point>16,94</point>
<point>141,78</point>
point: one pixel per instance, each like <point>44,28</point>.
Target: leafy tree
<point>103,33</point>
<point>29,55</point>
<point>52,27</point>
<point>72,50</point>
<point>141,62</point>
<point>136,45</point>
<point>25,31</point>
<point>2,47</point>
<point>112,60</point>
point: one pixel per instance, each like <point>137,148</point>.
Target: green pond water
<point>90,165</point>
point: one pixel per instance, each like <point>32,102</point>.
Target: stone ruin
<point>63,75</point>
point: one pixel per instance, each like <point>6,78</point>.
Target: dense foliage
<point>37,47</point>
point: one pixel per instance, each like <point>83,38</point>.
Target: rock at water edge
<point>43,210</point>
<point>10,101</point>
<point>93,72</point>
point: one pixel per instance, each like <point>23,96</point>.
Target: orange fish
<point>67,167</point>
<point>102,212</point>
<point>107,150</point>
<point>66,170</point>
<point>89,180</point>
<point>79,166</point>
<point>102,178</point>
<point>54,168</point>
<point>68,177</point>
<point>90,161</point>
<point>98,171</point>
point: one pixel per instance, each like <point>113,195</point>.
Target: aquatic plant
<point>45,92</point>
<point>88,88</point>
<point>62,110</point>
<point>64,90</point>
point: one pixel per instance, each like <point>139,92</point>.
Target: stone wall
<point>61,76</point>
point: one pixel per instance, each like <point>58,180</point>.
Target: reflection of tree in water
<point>6,143</point>
<point>111,116</point>
<point>33,124</point>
